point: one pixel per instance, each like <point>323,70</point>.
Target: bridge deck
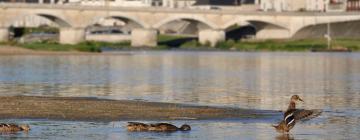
<point>173,10</point>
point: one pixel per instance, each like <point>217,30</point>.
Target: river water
<point>261,81</point>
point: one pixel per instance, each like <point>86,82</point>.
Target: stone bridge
<point>212,24</point>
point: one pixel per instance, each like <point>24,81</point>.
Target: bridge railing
<point>162,10</point>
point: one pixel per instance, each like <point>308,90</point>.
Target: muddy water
<point>329,81</point>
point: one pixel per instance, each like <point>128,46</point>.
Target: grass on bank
<point>273,45</point>
<point>88,46</point>
<point>289,45</point>
<point>268,45</point>
<point>193,44</point>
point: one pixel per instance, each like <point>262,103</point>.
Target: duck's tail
<point>275,126</point>
<point>278,127</point>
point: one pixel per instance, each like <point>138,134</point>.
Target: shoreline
<point>15,50</point>
<point>94,109</point>
<point>173,43</point>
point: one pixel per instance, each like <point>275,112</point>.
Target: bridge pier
<point>71,35</point>
<point>4,34</point>
<point>211,36</point>
<point>144,37</point>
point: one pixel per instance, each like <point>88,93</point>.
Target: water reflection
<point>284,137</point>
<point>329,81</point>
<point>249,80</point>
<point>229,130</point>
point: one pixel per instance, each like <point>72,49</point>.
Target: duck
<point>157,127</point>
<point>4,127</point>
<point>293,115</point>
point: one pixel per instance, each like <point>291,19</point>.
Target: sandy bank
<point>12,50</point>
<point>69,108</point>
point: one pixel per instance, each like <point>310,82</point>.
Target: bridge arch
<point>112,28</point>
<point>341,29</point>
<point>249,28</point>
<point>252,21</point>
<point>58,20</point>
<point>124,18</point>
<point>203,29</point>
<point>199,19</point>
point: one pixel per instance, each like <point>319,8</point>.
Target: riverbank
<point>183,43</point>
<point>93,109</point>
<point>13,50</point>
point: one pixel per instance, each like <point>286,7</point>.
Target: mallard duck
<point>293,115</point>
<point>158,127</point>
<point>13,127</point>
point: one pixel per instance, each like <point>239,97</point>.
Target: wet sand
<point>93,109</point>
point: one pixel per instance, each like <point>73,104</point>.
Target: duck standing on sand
<point>293,115</point>
<point>158,127</point>
<point>13,127</point>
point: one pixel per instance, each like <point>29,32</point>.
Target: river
<point>261,81</point>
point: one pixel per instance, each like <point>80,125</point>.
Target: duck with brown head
<point>185,127</point>
<point>293,115</point>
<point>293,100</point>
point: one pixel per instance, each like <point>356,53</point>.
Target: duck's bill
<point>301,100</point>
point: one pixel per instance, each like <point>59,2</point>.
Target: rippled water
<point>329,81</point>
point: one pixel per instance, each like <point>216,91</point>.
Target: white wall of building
<point>122,3</point>
<point>293,5</point>
<point>316,5</point>
<point>180,3</point>
<point>273,5</point>
<point>136,3</point>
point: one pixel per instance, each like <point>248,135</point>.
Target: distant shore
<point>172,43</point>
<point>93,109</point>
<point>13,50</point>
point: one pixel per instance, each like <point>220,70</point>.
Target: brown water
<point>329,81</point>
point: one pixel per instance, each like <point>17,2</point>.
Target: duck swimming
<point>293,115</point>
<point>13,127</point>
<point>158,127</point>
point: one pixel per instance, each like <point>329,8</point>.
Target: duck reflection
<point>285,137</point>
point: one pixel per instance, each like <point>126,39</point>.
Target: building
<point>283,5</point>
<point>305,5</point>
<point>178,3</point>
<point>224,2</point>
<point>316,5</point>
<point>123,3</point>
<point>353,5</point>
<point>247,5</point>
<point>33,1</point>
<point>136,3</point>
